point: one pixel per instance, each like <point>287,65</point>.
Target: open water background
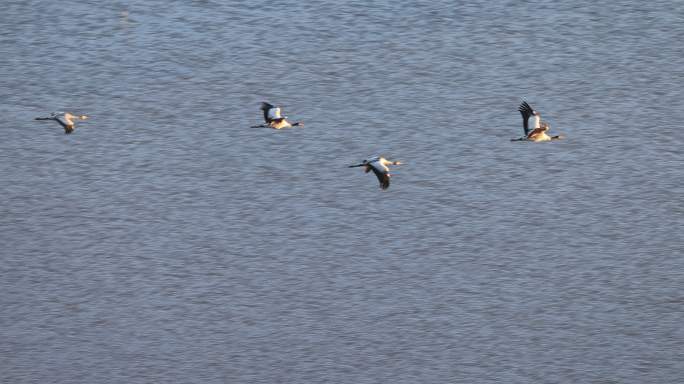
<point>166,241</point>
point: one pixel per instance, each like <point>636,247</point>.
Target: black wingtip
<point>526,111</point>
<point>525,108</point>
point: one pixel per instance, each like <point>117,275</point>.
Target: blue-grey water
<point>166,241</point>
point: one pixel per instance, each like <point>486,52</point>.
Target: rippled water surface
<point>167,241</point>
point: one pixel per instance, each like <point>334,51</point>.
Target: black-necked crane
<point>379,166</point>
<point>539,129</point>
<point>274,119</point>
<point>65,119</point>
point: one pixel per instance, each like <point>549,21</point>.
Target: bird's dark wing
<point>526,111</point>
<point>383,176</point>
<point>63,123</point>
<point>265,107</point>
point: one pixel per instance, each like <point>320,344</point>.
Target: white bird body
<point>279,123</point>
<point>380,163</point>
<point>538,135</point>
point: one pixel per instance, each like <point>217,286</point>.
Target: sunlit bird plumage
<point>379,166</point>
<point>274,119</point>
<point>540,128</point>
<point>65,119</point>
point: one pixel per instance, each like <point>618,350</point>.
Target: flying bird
<point>379,166</point>
<point>274,119</point>
<point>65,119</point>
<point>538,132</point>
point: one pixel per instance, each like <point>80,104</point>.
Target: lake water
<point>167,241</point>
